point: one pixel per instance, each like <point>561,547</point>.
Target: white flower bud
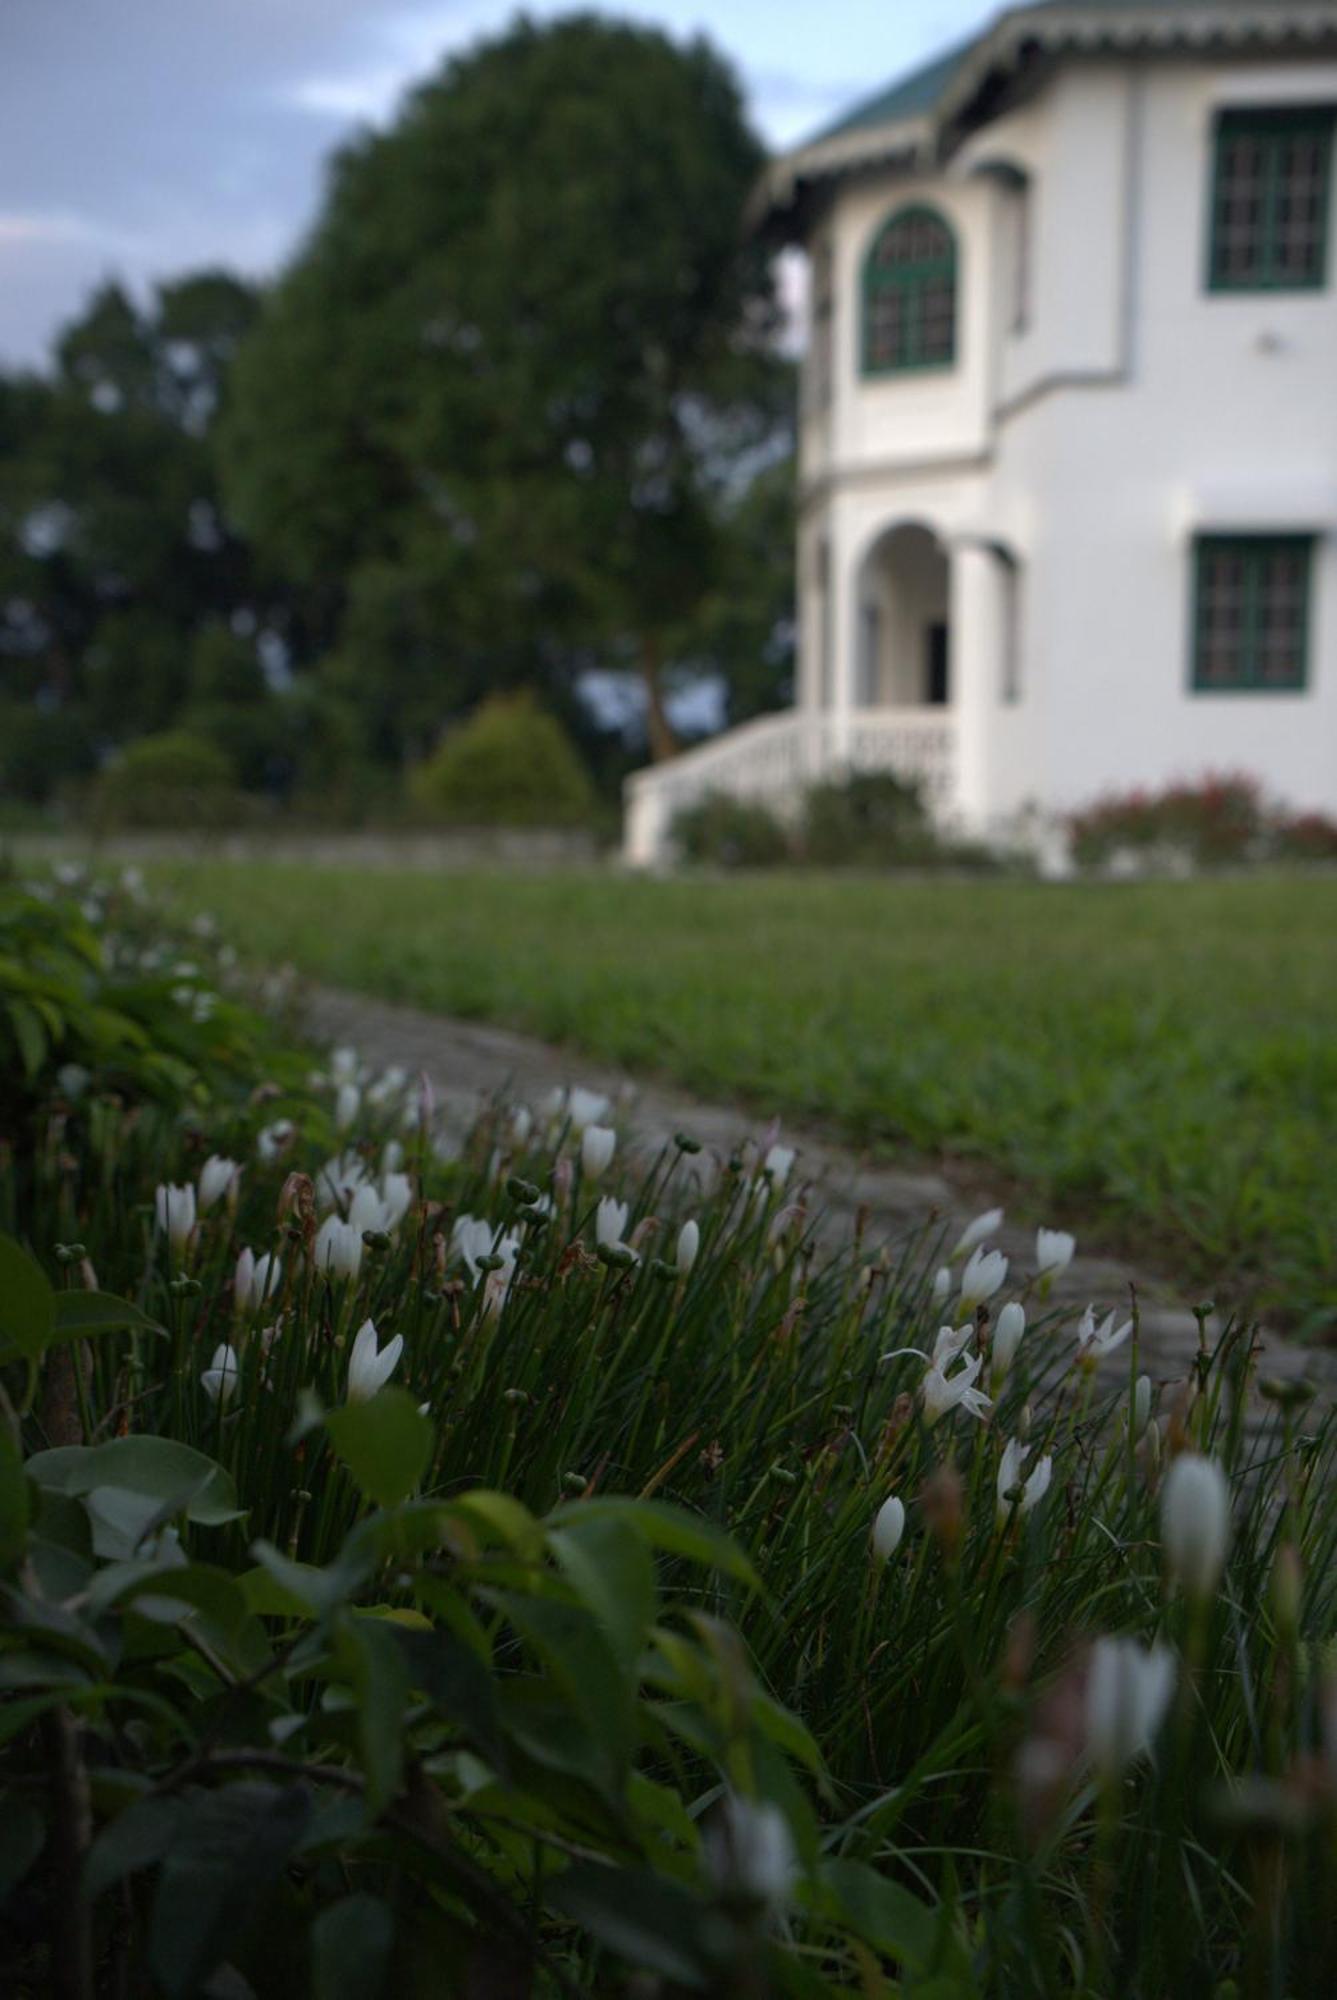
<point>888,1527</point>
<point>1195,1523</point>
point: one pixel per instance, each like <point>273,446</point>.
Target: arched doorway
<point>905,649</point>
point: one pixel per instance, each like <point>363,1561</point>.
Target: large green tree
<point>501,397</point>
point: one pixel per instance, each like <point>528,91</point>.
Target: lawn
<point>1154,1062</point>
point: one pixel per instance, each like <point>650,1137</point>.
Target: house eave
<point>1018,39</point>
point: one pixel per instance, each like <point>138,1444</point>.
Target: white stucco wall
<point>1135,409</point>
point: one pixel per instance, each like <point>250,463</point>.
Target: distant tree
<point>509,381</point>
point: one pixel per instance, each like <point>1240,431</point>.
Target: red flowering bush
<point>1218,821</point>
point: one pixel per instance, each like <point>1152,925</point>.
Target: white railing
<point>776,757</point>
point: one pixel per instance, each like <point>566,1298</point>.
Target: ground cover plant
<point>1152,1060</point>
<point>517,1566</point>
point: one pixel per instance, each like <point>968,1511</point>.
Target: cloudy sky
<point>143,137</point>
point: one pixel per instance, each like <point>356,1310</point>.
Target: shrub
<point>721,831</point>
<point>1213,822</point>
<point>174,780</point>
<point>510,764</point>
<point>42,750</point>
<point>1307,837</point>
<point>869,819</point>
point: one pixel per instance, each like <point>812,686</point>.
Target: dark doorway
<point>935,664</point>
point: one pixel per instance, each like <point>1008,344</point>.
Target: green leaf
<point>654,1924</point>
<point>173,1474</point>
<point>301,1589</point>
<point>29,1034</point>
<point>13,1499</point>
<point>227,1854</point>
<point>668,1528</point>
<point>22,1838</point>
<point>385,1442</point>
<point>882,1912</point>
<point>610,1567</point>
<point>27,1302</point>
<point>585,1673</point>
<point>351,1943</point>
<point>457,1684</point>
<point>84,1315</point>
<point>381,1677</point>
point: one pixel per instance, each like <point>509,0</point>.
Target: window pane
<point>1252,613</point>
<point>1270,199</point>
<point>910,294</point>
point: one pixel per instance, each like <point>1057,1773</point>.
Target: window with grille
<point>909,295</point>
<point>1270,200</point>
<point>1251,612</point>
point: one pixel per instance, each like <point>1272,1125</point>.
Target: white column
<point>975,641</point>
<point>843,616</point>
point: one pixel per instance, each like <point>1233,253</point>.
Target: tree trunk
<point>663,742</point>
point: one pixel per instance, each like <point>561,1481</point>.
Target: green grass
<point>1155,1062</point>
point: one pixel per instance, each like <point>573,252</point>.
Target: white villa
<point>1068,440</point>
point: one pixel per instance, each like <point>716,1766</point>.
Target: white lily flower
<point>942,1285</point>
<point>950,1341</point>
<point>338,1248</point>
<point>578,1106</point>
<point>522,1124</point>
<point>218,1177</point>
<point>73,1079</point>
<point>369,1369</point>
<point>888,1527</point>
<point>219,1380</point>
<point>339,1179</point>
<point>1032,1489</point>
<point>750,1853</point>
<point>175,1210</point>
<point>985,1225</point>
<point>344,1065</point>
<point>392,1157</point>
<point>1094,1342</point>
<point>1054,1251</point>
<point>778,1164</point>
<point>610,1222</point>
<point>942,1392</point>
<point>597,1146</point>
<point>389,1085</point>
<point>1008,1330</point>
<point>256,1279</point>
<point>1140,1414</point>
<point>396,1198</point>
<point>689,1242</point>
<point>366,1210</point>
<point>347,1104</point>
<point>272,1141</point>
<point>1195,1523</point>
<point>985,1273</point>
<point>1128,1690</point>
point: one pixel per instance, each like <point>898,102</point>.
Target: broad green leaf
<point>889,1916</point>
<point>227,1854</point>
<point>381,1677</point>
<point>585,1672</point>
<point>81,1315</point>
<point>501,1519</point>
<point>611,1569</point>
<point>27,1302</point>
<point>29,1034</point>
<point>156,1466</point>
<point>668,1528</point>
<point>296,1589</point>
<point>13,1499</point>
<point>456,1683</point>
<point>351,1943</point>
<point>385,1442</point>
<point>654,1924</point>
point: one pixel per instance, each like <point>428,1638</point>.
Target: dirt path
<point>468,1062</point>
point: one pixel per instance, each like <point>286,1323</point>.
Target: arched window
<point>909,294</point>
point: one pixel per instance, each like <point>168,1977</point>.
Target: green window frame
<point>1251,613</point>
<point>910,294</point>
<point>1271,200</point>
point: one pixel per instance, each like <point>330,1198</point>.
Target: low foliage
<point>869,820</point>
<point>556,1573</point>
<point>724,831</point>
<point>174,780</point>
<point>508,765</point>
<point>1214,822</point>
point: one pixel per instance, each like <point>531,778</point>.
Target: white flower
<point>366,1210</point>
<point>256,1279</point>
<point>1054,1251</point>
<point>1033,1490</point>
<point>218,1177</point>
<point>888,1527</point>
<point>1008,1329</point>
<point>522,1124</point>
<point>985,1272</point>
<point>750,1853</point>
<point>388,1085</point>
<point>392,1159</point>
<point>73,1079</point>
<point>1128,1690</point>
<point>343,1065</point>
<point>273,1140</point>
<point>339,1180</point>
<point>943,1392</point>
<point>368,1368</point>
<point>347,1104</point>
<point>1094,1342</point>
<point>175,1210</point>
<point>985,1225</point>
<point>610,1222</point>
<point>778,1164</point>
<point>950,1341</point>
<point>338,1248</point>
<point>689,1242</point>
<point>1195,1523</point>
<point>1140,1414</point>
<point>942,1285</point>
<point>581,1107</point>
<point>597,1145</point>
<point>219,1380</point>
<point>396,1198</point>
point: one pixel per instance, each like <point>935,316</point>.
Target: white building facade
<point>1068,439</point>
